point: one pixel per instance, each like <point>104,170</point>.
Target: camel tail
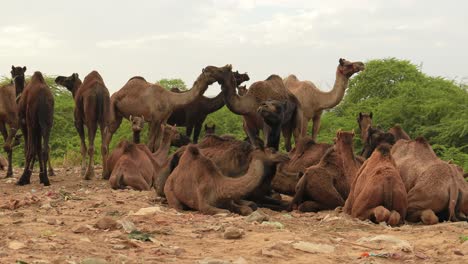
<point>100,111</point>
<point>388,194</point>
<point>299,195</point>
<point>454,197</point>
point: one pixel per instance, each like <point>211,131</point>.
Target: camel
<point>314,101</point>
<point>124,148</point>
<point>3,163</point>
<point>141,98</point>
<point>365,122</point>
<point>138,123</point>
<point>9,115</point>
<point>276,114</point>
<point>375,137</point>
<point>378,192</point>
<point>36,108</point>
<point>326,185</point>
<point>247,105</point>
<point>194,114</point>
<point>197,183</point>
<point>436,189</point>
<point>306,153</point>
<point>241,90</point>
<point>92,102</point>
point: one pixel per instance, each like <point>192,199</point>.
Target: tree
<point>172,83</point>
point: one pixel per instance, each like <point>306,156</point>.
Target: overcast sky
<point>176,39</point>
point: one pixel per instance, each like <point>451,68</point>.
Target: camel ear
<point>370,115</point>
<point>341,61</point>
<point>24,68</point>
<point>130,118</point>
<point>75,75</point>
<point>360,115</point>
<point>12,67</point>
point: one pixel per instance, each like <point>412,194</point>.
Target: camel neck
<point>178,100</point>
<point>349,161</point>
<point>215,103</point>
<point>335,96</point>
<point>19,83</point>
<point>240,105</point>
<point>136,137</point>
<point>163,150</point>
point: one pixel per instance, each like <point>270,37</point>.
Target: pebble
<point>313,247</point>
<point>257,216</point>
<point>397,244</point>
<point>233,233</point>
<point>106,223</point>
<point>80,229</point>
<point>278,225</point>
<point>213,261</point>
<point>93,261</point>
<point>148,210</point>
<point>15,245</point>
<point>127,225</point>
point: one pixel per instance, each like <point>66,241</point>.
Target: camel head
<point>17,75</point>
<point>181,140</point>
<point>348,68</point>
<point>241,90</point>
<point>269,155</point>
<point>376,137</point>
<point>137,123</point>
<point>364,121</point>
<point>344,138</point>
<point>71,82</point>
<point>272,111</point>
<point>214,74</point>
<point>210,130</point>
<point>171,132</point>
<point>240,77</point>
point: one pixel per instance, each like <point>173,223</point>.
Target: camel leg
<point>316,125</point>
<point>50,169</point>
<point>29,156</point>
<point>79,127</point>
<point>152,135</point>
<point>43,154</point>
<point>104,147</point>
<point>188,131</point>
<point>92,128</point>
<point>196,132</point>
<point>173,201</point>
<point>310,206</point>
<point>427,216</point>
<point>8,150</point>
<point>239,208</point>
<point>211,210</point>
<point>287,133</point>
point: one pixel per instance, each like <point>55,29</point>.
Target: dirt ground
<point>77,221</point>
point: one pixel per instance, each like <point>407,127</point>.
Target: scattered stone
<point>17,214</point>
<point>458,252</point>
<point>233,233</point>
<point>106,223</point>
<point>271,253</point>
<point>119,247</point>
<point>213,261</point>
<point>464,248</point>
<point>127,225</point>
<point>278,225</point>
<point>257,216</point>
<point>313,247</point>
<point>176,251</point>
<point>16,245</point>
<point>80,229</point>
<point>240,260</point>
<point>420,255</point>
<point>398,244</point>
<point>148,210</point>
<point>93,261</point>
<point>46,206</point>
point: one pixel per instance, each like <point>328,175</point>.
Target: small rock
<point>46,206</point>
<point>398,244</point>
<point>233,233</point>
<point>148,210</point>
<point>271,253</point>
<point>172,251</point>
<point>458,252</point>
<point>127,225</point>
<point>119,247</point>
<point>257,216</point>
<point>278,225</point>
<point>93,261</point>
<point>106,223</point>
<point>80,229</point>
<point>213,261</point>
<point>16,245</point>
<point>17,214</point>
<point>240,260</point>
<point>313,247</point>
<point>464,248</point>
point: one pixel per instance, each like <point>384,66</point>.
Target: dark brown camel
<point>92,102</point>
<point>138,123</point>
<point>377,192</point>
<point>364,121</point>
<point>375,137</point>
<point>9,112</point>
<point>141,98</point>
<point>194,114</point>
<point>36,108</point>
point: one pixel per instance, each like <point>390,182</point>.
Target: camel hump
<point>37,77</point>
<point>384,149</point>
<point>422,140</point>
<point>129,147</point>
<point>273,77</point>
<point>137,78</point>
<point>192,149</point>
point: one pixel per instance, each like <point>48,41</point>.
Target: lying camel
<point>276,114</point>
<point>306,153</point>
<point>436,189</point>
<point>375,137</point>
<point>378,192</point>
<point>197,183</point>
<point>326,185</point>
<point>133,165</point>
<point>3,163</point>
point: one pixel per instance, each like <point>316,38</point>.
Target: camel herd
<point>393,179</point>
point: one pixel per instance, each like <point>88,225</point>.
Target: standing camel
<point>248,104</point>
<point>36,109</point>
<point>314,101</point>
<point>141,98</point>
<point>9,112</point>
<point>92,103</point>
<point>194,114</point>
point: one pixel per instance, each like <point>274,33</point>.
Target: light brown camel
<point>141,98</point>
<point>436,189</point>
<point>3,163</point>
<point>326,185</point>
<point>365,122</point>
<point>247,105</point>
<point>313,101</point>
<point>92,102</point>
<point>36,108</point>
<point>305,154</point>
<point>377,192</point>
<point>197,183</point>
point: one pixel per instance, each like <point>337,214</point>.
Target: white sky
<point>176,39</point>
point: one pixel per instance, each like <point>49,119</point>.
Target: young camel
<point>92,104</point>
<point>378,192</point>
<point>436,189</point>
<point>141,98</point>
<point>36,108</point>
<point>326,185</point>
<point>138,123</point>
<point>126,159</point>
<point>197,183</point>
<point>314,101</point>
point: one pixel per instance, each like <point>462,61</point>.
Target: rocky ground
<point>76,221</point>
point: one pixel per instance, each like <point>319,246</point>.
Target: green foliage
<point>172,83</point>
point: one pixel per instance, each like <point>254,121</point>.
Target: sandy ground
<point>77,221</point>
